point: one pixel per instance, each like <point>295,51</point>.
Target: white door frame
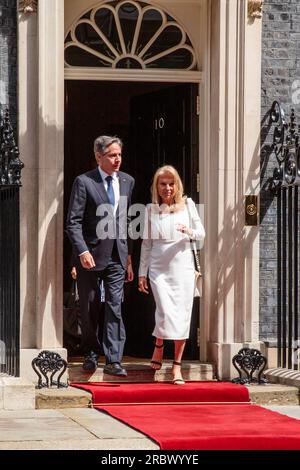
<point>79,73</point>
<point>202,78</point>
<point>132,75</point>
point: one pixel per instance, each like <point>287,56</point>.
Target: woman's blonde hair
<point>165,171</point>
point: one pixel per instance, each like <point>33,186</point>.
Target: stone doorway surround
<point>229,163</point>
<point>232,249</point>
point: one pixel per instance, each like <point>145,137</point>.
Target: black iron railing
<point>10,172</point>
<point>285,183</point>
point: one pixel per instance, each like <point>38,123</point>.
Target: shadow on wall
<point>267,164</point>
<point>41,218</point>
<point>235,250</point>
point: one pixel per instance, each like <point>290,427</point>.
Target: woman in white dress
<point>166,256</point>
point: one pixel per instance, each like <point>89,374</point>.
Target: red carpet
<point>159,392</point>
<point>196,416</point>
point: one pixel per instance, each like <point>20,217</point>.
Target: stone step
<point>62,398</point>
<point>268,394</point>
<point>139,371</point>
<point>274,394</point>
<point>142,372</point>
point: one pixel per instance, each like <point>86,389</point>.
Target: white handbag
<point>198,273</point>
<point>198,284</point>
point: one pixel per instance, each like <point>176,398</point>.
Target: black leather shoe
<point>115,369</point>
<point>90,362</point>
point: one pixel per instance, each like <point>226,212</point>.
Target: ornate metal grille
<point>247,362</point>
<point>285,183</point>
<point>10,172</point>
<point>128,35</point>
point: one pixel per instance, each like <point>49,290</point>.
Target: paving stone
<point>99,444</point>
<point>86,429</point>
<point>101,424</point>
<point>291,411</point>
<point>41,429</point>
<point>30,414</point>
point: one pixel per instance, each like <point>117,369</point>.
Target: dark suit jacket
<point>84,226</point>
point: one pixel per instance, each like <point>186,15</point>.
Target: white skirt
<point>171,274</point>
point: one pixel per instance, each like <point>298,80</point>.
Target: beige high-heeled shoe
<point>178,381</point>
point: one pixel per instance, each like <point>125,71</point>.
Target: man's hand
<point>143,285</point>
<point>87,261</point>
<point>130,275</point>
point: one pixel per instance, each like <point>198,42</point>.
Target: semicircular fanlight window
<point>131,35</point>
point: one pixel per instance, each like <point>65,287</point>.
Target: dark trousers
<point>114,336</point>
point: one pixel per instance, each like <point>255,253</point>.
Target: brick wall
<point>280,72</point>
<point>8,56</point>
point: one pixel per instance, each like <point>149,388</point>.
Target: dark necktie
<point>110,191</point>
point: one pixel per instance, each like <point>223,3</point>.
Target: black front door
<point>163,130</point>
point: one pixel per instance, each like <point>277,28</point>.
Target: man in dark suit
<point>97,225</point>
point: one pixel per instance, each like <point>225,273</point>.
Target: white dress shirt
<point>115,185</point>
